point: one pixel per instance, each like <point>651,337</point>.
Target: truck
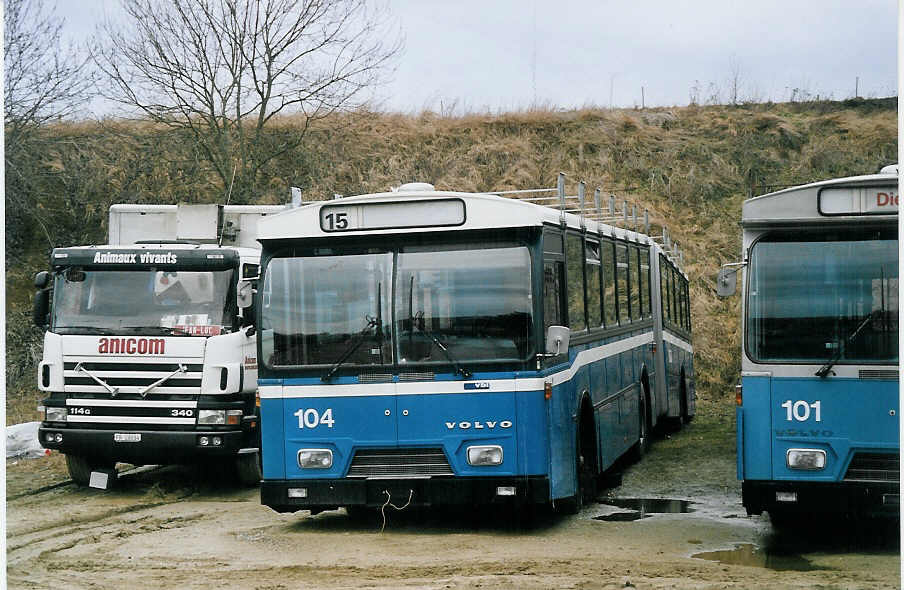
<point>149,348</point>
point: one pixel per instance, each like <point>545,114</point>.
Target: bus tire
<point>685,416</point>
<point>248,468</point>
<point>642,445</point>
<point>81,466</point>
<point>583,471</point>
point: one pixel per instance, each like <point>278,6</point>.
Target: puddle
<point>643,508</point>
<point>751,555</point>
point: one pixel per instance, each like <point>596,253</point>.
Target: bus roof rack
<point>627,218</point>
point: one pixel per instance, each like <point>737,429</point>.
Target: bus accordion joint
<point>547,390</point>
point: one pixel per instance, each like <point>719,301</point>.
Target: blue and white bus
<point>817,414</point>
<point>427,347</point>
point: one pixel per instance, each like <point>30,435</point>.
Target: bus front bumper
<point>317,495</point>
<point>861,498</point>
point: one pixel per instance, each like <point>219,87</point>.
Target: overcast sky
<point>499,55</point>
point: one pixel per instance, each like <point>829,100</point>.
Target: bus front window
<point>474,303</point>
<point>830,297</point>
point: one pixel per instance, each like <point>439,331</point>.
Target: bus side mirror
<point>41,307</point>
<point>244,294</point>
<point>557,340</point>
<point>727,281</point>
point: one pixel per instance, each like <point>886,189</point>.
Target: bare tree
<point>735,80</point>
<point>43,80</point>
<point>223,69</point>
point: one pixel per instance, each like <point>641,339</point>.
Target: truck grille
<point>399,463</point>
<point>131,377</point>
<point>874,467</point>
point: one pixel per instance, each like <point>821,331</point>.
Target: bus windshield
<point>143,302</point>
<point>821,298</point>
<point>413,306</point>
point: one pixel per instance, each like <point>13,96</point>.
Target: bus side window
<point>687,305</point>
<point>574,258</point>
<point>664,288</point>
<point>592,272</point>
<point>645,293</point>
<point>552,294</point>
<point>621,273</point>
<point>634,275</point>
<point>607,262</point>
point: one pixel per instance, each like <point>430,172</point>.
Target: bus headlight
<point>211,416</point>
<point>485,455</point>
<point>315,458</point>
<point>806,459</point>
<point>52,414</point>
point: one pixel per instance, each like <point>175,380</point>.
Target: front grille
<point>874,467</point>
<point>375,378</point>
<point>399,463</point>
<point>403,377</point>
<point>132,377</point>
<point>880,374</point>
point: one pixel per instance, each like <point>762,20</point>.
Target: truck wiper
<point>836,356</point>
<point>157,330</point>
<point>352,347</point>
<point>86,329</point>
<point>415,323</point>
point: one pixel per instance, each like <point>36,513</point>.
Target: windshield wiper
<point>352,347</point>
<point>158,330</point>
<point>86,329</point>
<point>356,343</point>
<point>416,321</point>
<point>836,356</point>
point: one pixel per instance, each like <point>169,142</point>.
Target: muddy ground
<point>180,527</point>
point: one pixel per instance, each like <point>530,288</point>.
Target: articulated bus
<point>426,347</point>
<point>817,414</point>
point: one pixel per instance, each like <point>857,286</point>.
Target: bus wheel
<point>583,474</point>
<point>642,445</point>
<point>685,417</point>
<point>81,466</point>
<point>248,468</point>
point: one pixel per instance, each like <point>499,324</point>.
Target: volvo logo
<point>131,345</point>
<point>479,424</point>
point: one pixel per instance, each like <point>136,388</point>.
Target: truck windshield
<point>414,306</point>
<point>143,301</point>
<point>824,297</point>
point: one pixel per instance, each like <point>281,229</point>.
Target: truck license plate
<point>127,437</point>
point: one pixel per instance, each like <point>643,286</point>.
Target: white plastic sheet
<point>22,442</point>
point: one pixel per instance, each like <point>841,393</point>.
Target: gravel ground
<point>180,527</point>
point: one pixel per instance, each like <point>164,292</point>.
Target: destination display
<point>858,200</point>
<point>395,215</point>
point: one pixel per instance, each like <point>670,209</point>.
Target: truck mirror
<point>727,281</point>
<point>557,340</point>
<point>244,294</point>
<point>41,307</point>
<point>42,279</point>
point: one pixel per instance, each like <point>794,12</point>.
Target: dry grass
<point>691,166</point>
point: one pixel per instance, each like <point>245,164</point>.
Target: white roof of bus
<point>483,211</point>
<point>799,204</point>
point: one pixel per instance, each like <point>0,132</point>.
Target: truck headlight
<point>52,414</point>
<point>806,459</point>
<point>211,416</point>
<point>485,455</point>
<point>315,458</point>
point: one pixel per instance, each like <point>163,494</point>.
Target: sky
<point>500,55</point>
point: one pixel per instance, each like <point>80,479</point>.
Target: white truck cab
<point>150,349</point>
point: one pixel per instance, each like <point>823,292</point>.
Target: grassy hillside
<point>691,166</point>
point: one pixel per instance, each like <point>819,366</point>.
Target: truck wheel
<point>248,468</point>
<point>80,468</point>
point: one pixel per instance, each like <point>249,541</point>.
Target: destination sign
<point>394,215</point>
<point>859,200</point>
